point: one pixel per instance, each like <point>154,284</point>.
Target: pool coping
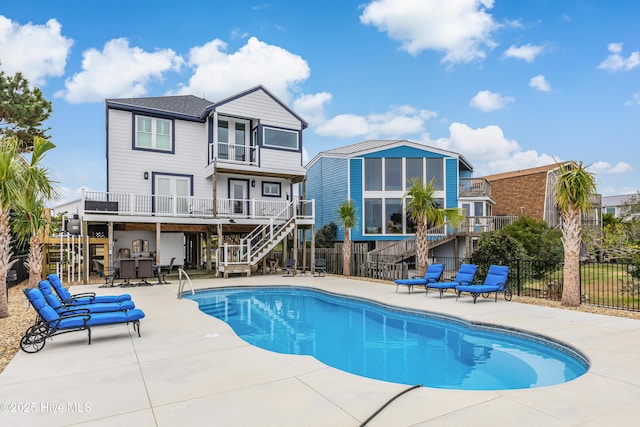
<point>189,367</point>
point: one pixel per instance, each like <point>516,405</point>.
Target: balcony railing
<point>474,187</point>
<point>95,202</point>
<point>232,153</point>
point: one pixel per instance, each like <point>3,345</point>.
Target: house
<point>616,205</point>
<point>530,192</point>
<point>376,174</point>
<point>199,181</point>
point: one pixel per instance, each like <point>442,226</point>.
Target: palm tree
<point>30,205</point>
<point>347,218</point>
<point>9,189</point>
<point>424,209</point>
<point>572,192</point>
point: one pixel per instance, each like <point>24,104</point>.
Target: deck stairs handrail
<point>406,248</point>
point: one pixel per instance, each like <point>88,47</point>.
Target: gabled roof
<point>374,145</point>
<point>521,172</point>
<point>187,106</point>
<point>181,105</point>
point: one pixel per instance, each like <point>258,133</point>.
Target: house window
<point>393,174</point>
<point>271,189</point>
<point>393,216</point>
<point>139,246</point>
<point>153,133</point>
<point>280,138</point>
<point>414,170</point>
<point>434,172</point>
<point>372,216</point>
<point>373,174</point>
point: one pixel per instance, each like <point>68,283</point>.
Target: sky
<point>508,84</point>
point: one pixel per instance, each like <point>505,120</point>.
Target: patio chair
<point>465,276</point>
<point>496,281</point>
<point>82,298</point>
<point>127,272</point>
<point>50,323</point>
<point>164,270</point>
<point>145,271</point>
<point>432,275</point>
<point>106,273</point>
<point>100,307</point>
<point>289,267</point>
<point>320,267</point>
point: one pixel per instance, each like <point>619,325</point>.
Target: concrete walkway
<point>191,369</point>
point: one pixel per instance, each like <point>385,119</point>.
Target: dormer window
<point>153,133</point>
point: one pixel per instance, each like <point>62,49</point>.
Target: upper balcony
<point>474,187</point>
<point>149,205</point>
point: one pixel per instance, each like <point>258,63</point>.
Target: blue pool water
<point>380,342</point>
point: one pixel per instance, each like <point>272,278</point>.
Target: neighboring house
<point>186,175</point>
<point>529,192</point>
<point>376,175</point>
<point>615,205</point>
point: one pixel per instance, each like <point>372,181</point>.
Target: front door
<point>239,195</point>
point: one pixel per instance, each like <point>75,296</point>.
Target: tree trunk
<point>34,261</point>
<point>422,248</point>
<point>5,264</point>
<point>346,253</point>
<point>571,238</point>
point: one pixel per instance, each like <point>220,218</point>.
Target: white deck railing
<point>97,202</point>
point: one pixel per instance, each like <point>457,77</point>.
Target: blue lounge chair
<point>432,275</point>
<point>50,323</point>
<point>99,307</point>
<point>84,298</point>
<point>496,281</point>
<point>465,276</point>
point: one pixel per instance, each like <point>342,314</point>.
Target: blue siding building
<point>375,175</point>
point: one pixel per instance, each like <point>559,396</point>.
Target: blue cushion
<point>466,273</point>
<point>102,298</point>
<point>63,293</point>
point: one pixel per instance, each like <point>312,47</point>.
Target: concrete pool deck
<point>191,369</point>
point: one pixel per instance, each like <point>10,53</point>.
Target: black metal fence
<point>609,285</point>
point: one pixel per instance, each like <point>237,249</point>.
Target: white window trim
<point>264,139</point>
<point>154,133</point>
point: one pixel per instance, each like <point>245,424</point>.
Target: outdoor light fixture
<point>146,175</point>
<point>253,182</point>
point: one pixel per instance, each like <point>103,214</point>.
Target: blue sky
<point>508,84</point>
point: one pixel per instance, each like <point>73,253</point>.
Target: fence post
<point>518,284</point>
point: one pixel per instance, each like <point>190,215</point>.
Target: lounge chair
<point>496,281</point>
<point>164,270</point>
<point>100,307</point>
<point>432,275</point>
<point>465,276</point>
<point>49,323</point>
<point>289,267</point>
<point>106,273</point>
<point>320,267</point>
<point>83,298</point>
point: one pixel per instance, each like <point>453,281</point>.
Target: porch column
<point>296,237</point>
<point>108,260</point>
<point>215,165</point>
<point>208,249</point>
<point>158,234</point>
<point>86,253</point>
<point>313,247</point>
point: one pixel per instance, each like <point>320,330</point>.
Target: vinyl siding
<point>327,184</point>
<point>127,166</point>
<point>259,104</point>
<point>282,160</point>
<point>355,184</point>
<point>451,177</point>
<point>403,151</point>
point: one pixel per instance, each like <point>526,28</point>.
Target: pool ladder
<point>181,286</point>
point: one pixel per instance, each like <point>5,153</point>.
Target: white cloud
<point>311,107</point>
<point>527,52</point>
<point>488,149</point>
<point>37,51</point>
<point>398,122</point>
<point>461,29</point>
<point>615,62</point>
<point>605,168</point>
<point>540,83</point>
<point>489,101</point>
<point>119,71</point>
<point>635,99</point>
<point>218,74</point>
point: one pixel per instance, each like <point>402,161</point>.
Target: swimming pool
<point>390,344</point>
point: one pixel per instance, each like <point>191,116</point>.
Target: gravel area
<point>22,316</point>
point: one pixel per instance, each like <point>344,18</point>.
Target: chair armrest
<point>83,295</point>
<point>466,283</point>
<point>431,280</point>
<point>74,313</point>
<point>74,300</point>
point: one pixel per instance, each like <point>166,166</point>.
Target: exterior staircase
<point>257,244</point>
<point>403,249</point>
